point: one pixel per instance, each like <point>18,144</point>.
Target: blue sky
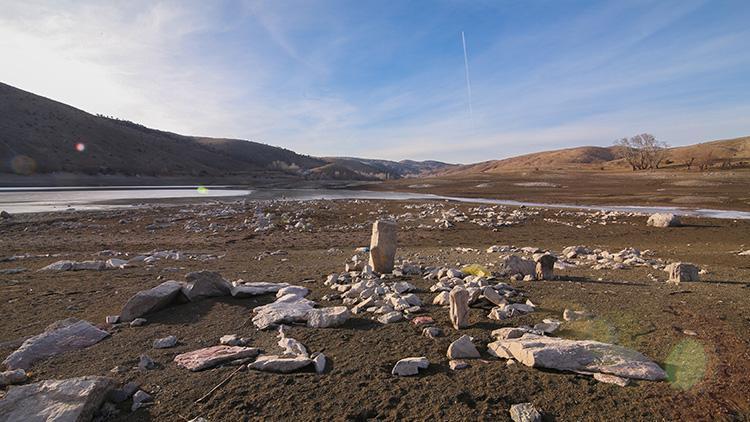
<point>385,79</point>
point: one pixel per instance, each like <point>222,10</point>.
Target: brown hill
<point>39,135</point>
<point>728,152</point>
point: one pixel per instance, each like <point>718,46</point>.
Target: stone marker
<point>383,246</point>
<point>59,337</point>
<point>209,357</point>
<point>525,412</point>
<point>410,366</point>
<point>152,300</point>
<point>462,348</point>
<point>577,356</point>
<point>328,317</point>
<point>545,267</point>
<point>681,271</point>
<point>281,364</point>
<point>70,400</point>
<point>459,307</point>
<point>663,220</point>
<point>286,309</point>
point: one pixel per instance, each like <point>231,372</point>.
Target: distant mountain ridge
<point>39,135</point>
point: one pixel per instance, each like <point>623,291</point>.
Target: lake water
<point>29,200</point>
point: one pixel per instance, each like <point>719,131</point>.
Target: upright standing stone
<point>545,267</point>
<point>383,246</point>
<point>459,307</point>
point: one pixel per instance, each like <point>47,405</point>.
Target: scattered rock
<point>112,319</point>
<point>281,364</point>
<point>286,309</point>
<point>525,412</point>
<point>423,320</point>
<point>493,296</point>
<point>152,300</point>
<point>328,317</point>
<point>410,366</point>
<point>612,379</point>
<point>319,360</point>
<point>663,220</point>
<point>681,271</point>
<point>119,395</point>
<point>16,376</point>
<point>209,357</point>
<point>432,332</point>
<point>442,299</point>
<point>547,326</point>
<point>383,246</point>
<point>459,307</point>
<point>60,337</point>
<point>165,343</point>
<point>458,364</point>
<point>462,348</point>
<point>391,317</point>
<point>138,322</point>
<point>242,289</point>
<point>70,400</point>
<point>141,399</point>
<point>145,363</point>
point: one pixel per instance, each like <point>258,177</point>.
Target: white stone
<point>286,309</point>
<point>241,289</point>
<point>525,412</point>
<point>442,299</point>
<point>383,245</point>
<point>319,360</point>
<point>459,307</point>
<point>410,366</point>
<point>281,364</point>
<point>681,271</point>
<point>165,343</point>
<point>462,348</point>
<point>328,317</point>
<point>201,359</point>
<point>391,317</point>
<point>70,400</point>
<point>663,220</point>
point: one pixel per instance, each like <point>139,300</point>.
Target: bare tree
<point>643,151</point>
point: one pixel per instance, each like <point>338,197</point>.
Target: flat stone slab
<point>288,308</point>
<point>577,356</point>
<point>204,284</point>
<point>328,317</point>
<point>151,300</point>
<point>70,400</point>
<point>60,337</point>
<point>255,288</point>
<point>209,357</point>
<point>76,266</point>
<point>281,364</point>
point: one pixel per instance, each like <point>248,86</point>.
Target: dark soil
<point>630,310</point>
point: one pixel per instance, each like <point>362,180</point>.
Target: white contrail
<point>468,80</point>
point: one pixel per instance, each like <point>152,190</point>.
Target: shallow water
<point>29,200</point>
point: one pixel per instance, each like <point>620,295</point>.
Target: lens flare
<point>202,190</point>
<point>80,147</point>
<point>686,364</point>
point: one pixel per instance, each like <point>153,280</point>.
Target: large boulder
<point>582,356</point>
<point>328,317</point>
<point>682,271</point>
<point>663,220</point>
<point>70,400</point>
<point>383,246</point>
<point>514,264</point>
<point>151,300</point>
<point>201,359</point>
<point>60,337</point>
<point>205,284</point>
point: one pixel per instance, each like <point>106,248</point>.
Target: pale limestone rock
<point>410,366</point>
<point>152,300</point>
<point>462,348</point>
<point>328,317</point>
<point>201,359</point>
<point>281,364</point>
<point>525,412</point>
<point>681,271</point>
<point>663,220</point>
<point>383,246</point>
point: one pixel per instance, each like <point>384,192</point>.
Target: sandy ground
<point>711,370</point>
<point>716,190</point>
